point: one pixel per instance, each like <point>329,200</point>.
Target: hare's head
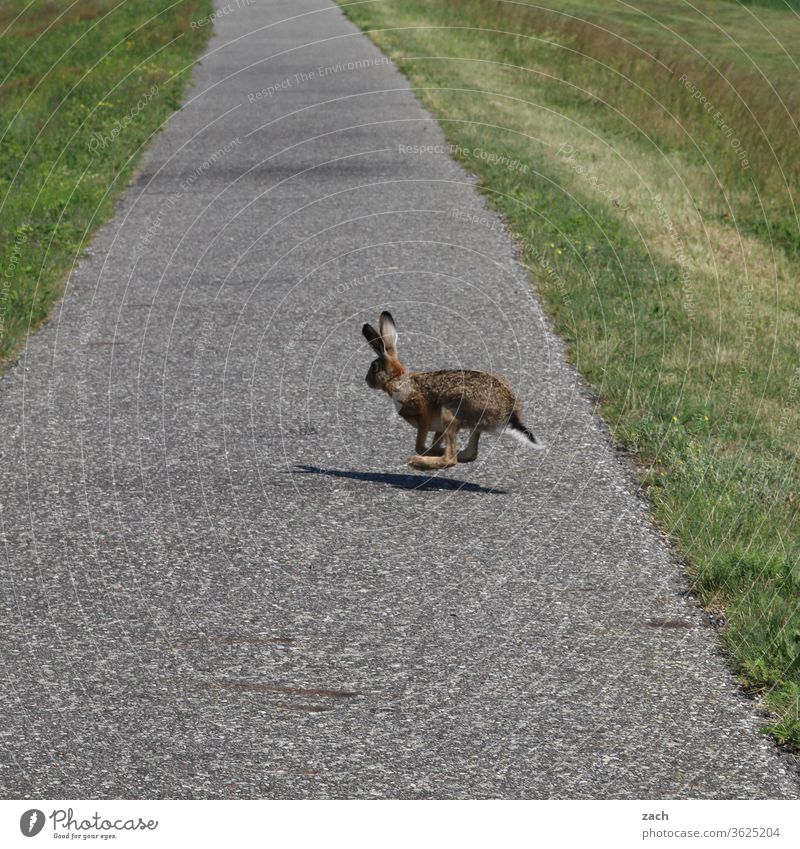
<point>384,342</point>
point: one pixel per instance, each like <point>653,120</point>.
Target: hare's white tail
<point>518,430</point>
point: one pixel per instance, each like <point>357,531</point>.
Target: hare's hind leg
<point>437,446</point>
<point>449,437</point>
<point>470,453</point>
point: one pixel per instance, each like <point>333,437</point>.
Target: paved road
<point>220,580</point>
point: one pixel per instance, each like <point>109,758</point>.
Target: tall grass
<point>743,127</point>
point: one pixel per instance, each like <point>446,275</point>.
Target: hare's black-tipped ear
<point>374,338</point>
<point>388,332</point>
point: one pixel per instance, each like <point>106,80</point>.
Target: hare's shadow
<point>401,481</point>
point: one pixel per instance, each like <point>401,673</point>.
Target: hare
<point>444,402</point>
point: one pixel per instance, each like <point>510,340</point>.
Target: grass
<point>667,262</point>
<point>83,87</point>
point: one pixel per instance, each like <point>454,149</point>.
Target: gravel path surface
<point>220,579</point>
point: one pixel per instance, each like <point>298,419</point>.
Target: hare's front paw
<point>418,462</point>
<point>427,464</point>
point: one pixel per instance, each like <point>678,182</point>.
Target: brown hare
<point>444,402</point>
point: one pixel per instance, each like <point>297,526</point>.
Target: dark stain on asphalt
<point>332,694</point>
<point>667,623</point>
<point>254,686</point>
<point>307,708</point>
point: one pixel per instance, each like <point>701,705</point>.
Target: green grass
<point>83,87</point>
<point>669,267</point>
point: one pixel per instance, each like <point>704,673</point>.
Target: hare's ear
<point>388,333</point>
<point>374,338</point>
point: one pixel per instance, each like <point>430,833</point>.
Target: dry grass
<point>741,126</point>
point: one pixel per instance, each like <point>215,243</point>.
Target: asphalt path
<point>219,579</point>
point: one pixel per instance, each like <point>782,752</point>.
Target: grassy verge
<point>83,86</point>
<point>667,261</point>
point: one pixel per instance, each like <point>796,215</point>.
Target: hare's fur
<point>444,402</point>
